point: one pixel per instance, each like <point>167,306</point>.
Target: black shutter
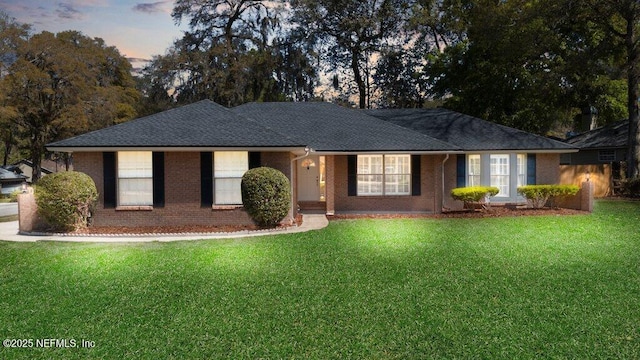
<point>158,179</point>
<point>531,169</point>
<point>461,168</point>
<point>206,179</point>
<point>254,160</point>
<point>415,175</point>
<point>352,175</point>
<point>109,178</point>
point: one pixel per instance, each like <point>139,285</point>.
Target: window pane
<point>135,192</point>
<point>135,164</point>
<point>522,169</point>
<point>499,170</point>
<point>397,164</point>
<point>135,183</point>
<point>473,170</point>
<point>369,184</point>
<point>230,164</point>
<point>369,164</point>
<point>228,192</point>
<point>397,184</point>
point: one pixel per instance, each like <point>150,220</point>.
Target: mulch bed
<point>186,229</point>
<point>497,211</point>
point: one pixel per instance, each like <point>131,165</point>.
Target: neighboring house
<point>10,181</point>
<point>183,166</point>
<point>601,153</point>
<point>25,167</point>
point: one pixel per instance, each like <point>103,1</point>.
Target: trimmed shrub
<point>473,194</point>
<point>266,195</point>
<point>538,195</point>
<point>631,187</point>
<point>66,199</point>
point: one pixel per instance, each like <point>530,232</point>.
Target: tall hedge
<point>266,195</point>
<point>65,199</point>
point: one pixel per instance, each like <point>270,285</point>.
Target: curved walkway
<point>9,232</point>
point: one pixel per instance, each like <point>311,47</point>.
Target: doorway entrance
<point>311,180</point>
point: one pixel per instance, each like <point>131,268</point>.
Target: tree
<point>65,84</point>
<point>350,32</point>
<point>621,20</point>
<point>12,36</point>
<point>234,52</point>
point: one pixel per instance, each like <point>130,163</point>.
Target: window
<point>474,170</point>
<point>384,175</point>
<point>522,169</point>
<point>606,155</point>
<point>228,168</point>
<point>499,170</point>
<point>135,178</point>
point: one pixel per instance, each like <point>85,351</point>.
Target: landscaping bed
<point>495,211</point>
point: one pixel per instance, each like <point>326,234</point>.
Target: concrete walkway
<point>9,232</point>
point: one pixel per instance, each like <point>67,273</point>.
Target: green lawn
<point>497,288</point>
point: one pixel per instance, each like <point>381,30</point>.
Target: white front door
<point>309,179</point>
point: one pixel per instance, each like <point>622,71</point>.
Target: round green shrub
<point>65,199</point>
<point>266,195</point>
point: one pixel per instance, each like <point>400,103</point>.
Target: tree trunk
<point>362,89</point>
<point>633,81</point>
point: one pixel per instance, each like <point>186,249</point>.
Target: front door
<point>310,178</point>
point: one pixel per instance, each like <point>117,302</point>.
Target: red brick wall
<point>426,202</point>
<point>182,193</point>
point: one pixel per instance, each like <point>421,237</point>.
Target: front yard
<point>498,288</point>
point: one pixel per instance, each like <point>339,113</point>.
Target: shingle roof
<point>201,124</point>
<point>467,132</point>
<point>614,135</point>
<point>328,127</point>
<point>6,175</point>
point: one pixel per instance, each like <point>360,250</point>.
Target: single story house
<point>602,152</point>
<point>10,181</point>
<point>184,166</point>
<point>25,167</point>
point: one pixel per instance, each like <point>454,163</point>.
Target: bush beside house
<point>538,195</point>
<point>474,196</point>
<point>66,199</point>
<point>266,195</point>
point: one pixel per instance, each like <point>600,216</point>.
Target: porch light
<point>588,176</point>
<point>308,163</point>
<point>23,187</point>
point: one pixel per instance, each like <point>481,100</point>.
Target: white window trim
<point>236,178</point>
<point>383,175</point>
<point>144,176</point>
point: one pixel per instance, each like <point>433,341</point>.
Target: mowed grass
<point>499,288</point>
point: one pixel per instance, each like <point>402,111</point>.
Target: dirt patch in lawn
<point>497,211</point>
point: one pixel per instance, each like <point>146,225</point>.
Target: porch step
<point>312,205</point>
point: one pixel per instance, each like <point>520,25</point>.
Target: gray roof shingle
<point>201,124</point>
<point>614,135</point>
<point>331,128</point>
<point>467,132</point>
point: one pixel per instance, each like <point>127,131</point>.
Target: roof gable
<point>468,132</point>
<point>328,127</point>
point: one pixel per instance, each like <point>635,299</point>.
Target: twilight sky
<point>138,28</point>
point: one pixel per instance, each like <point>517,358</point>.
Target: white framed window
<point>370,174</point>
<point>228,169</point>
<point>474,170</point>
<point>135,178</point>
<point>384,175</point>
<point>521,165</point>
<point>499,170</point>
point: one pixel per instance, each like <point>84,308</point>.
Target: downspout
<point>443,161</point>
<point>307,151</point>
